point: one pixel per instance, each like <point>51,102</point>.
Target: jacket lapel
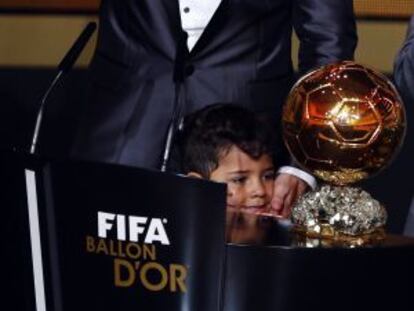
<point>173,24</point>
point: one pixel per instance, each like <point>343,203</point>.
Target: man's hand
<point>286,191</point>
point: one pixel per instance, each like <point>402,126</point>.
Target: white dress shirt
<point>195,16</point>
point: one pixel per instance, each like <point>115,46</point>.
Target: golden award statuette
<point>343,123</point>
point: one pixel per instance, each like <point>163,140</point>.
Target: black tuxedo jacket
<point>403,170</point>
<point>404,66</point>
<point>243,56</point>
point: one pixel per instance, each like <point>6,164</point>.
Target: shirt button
<point>186,9</point>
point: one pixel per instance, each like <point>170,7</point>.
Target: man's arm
<point>404,66</point>
<point>326,30</point>
<point>404,81</point>
<point>327,33</point>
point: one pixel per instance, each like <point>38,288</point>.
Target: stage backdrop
<point>363,8</point>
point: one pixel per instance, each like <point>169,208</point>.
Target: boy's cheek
<point>231,201</point>
<point>233,198</point>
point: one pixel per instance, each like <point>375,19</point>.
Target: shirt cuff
<point>306,177</point>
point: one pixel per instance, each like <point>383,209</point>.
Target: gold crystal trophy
<point>343,123</point>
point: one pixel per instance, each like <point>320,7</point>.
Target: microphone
<point>65,65</point>
<point>77,48</point>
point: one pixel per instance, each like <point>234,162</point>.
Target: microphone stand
<point>39,117</point>
<point>178,77</point>
<point>174,124</point>
<point>64,66</point>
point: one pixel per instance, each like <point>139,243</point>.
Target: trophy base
<point>339,213</point>
<point>331,238</point>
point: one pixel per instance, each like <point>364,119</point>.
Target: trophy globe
<point>342,123</point>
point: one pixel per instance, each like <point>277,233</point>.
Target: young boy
<point>229,144</point>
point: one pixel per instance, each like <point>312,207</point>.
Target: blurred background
<point>35,35</point>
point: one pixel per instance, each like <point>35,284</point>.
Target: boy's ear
<point>194,175</point>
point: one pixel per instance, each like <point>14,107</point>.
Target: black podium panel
<point>133,239</point>
<point>279,276</point>
<point>89,236</point>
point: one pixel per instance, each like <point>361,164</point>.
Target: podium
<point>90,236</point>
<point>280,272</point>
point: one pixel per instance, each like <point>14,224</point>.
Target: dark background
<point>20,94</point>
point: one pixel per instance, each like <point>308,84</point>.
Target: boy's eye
<point>238,180</point>
<point>269,175</point>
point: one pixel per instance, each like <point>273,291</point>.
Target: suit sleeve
<point>326,30</point>
<point>404,66</point>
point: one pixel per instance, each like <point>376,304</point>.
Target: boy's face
<point>249,181</point>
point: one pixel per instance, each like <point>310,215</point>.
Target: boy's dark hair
<point>209,133</point>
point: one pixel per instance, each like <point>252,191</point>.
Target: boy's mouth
<point>261,207</point>
<point>251,208</point>
<point>258,210</point>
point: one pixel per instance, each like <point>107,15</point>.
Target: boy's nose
<point>258,189</point>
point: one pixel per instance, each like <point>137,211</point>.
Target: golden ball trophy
<point>343,123</point>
